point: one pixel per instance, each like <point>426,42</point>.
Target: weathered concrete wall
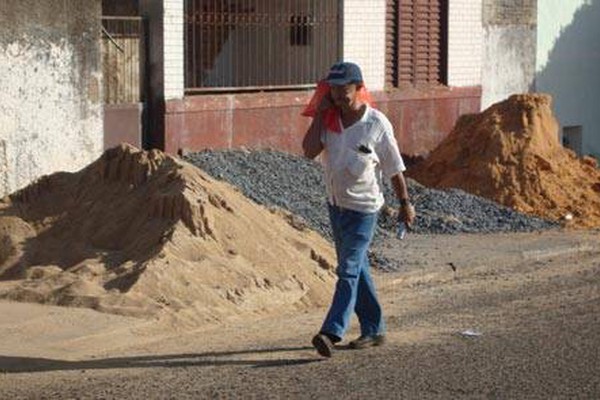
<point>50,100</point>
<point>568,60</point>
<point>509,48</point>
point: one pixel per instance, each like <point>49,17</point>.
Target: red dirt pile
<point>144,234</point>
<point>511,153</point>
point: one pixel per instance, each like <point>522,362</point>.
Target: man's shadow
<point>10,364</point>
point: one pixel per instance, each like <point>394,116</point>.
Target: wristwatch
<point>404,202</point>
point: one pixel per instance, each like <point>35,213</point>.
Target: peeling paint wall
<point>50,84</point>
<point>509,49</point>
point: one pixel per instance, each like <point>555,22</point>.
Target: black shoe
<point>323,345</point>
<point>367,341</point>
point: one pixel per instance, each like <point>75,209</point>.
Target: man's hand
<point>407,213</point>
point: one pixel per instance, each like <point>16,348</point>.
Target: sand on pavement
<point>534,298</point>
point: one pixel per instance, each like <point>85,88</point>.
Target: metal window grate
<point>301,28</point>
<point>123,59</point>
<point>233,45</point>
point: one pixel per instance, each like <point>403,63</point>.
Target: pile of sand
<point>144,234</point>
<point>511,153</point>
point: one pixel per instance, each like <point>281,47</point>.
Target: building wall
<point>173,40</point>
<point>509,48</point>
<point>364,39</point>
<point>465,40</point>
<point>164,62</point>
<point>422,118</point>
<point>50,88</point>
<point>152,11</point>
<point>568,60</point>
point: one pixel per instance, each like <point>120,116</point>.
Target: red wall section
<point>421,119</point>
<point>122,124</point>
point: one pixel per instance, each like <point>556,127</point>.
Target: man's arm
<point>407,212</point>
<point>312,144</point>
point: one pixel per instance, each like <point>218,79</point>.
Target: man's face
<point>344,96</point>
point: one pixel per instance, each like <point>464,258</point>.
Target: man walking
<point>358,146</point>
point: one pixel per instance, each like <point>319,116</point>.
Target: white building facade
<point>423,105</point>
<point>567,63</point>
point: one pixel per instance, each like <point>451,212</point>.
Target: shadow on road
<point>10,364</point>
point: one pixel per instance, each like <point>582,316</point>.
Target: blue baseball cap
<point>343,73</point>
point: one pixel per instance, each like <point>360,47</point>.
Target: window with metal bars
<point>234,45</point>
<point>301,30</point>
<point>416,43</point>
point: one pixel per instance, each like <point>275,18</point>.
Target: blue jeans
<point>354,290</point>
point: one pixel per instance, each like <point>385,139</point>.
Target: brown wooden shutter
<point>391,43</point>
<point>427,52</point>
<point>406,42</point>
<point>417,46</point>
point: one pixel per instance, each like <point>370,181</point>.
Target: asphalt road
<point>538,312</point>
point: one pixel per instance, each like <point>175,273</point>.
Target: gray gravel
<point>296,184</point>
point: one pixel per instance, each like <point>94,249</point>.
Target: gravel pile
<point>296,184</point>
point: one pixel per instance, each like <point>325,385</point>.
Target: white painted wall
<point>173,49</point>
<point>50,92</point>
<point>364,39</point>
<point>568,61</point>
<point>553,17</point>
<point>465,38</point>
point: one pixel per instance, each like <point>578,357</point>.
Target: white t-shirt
<point>353,178</point>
